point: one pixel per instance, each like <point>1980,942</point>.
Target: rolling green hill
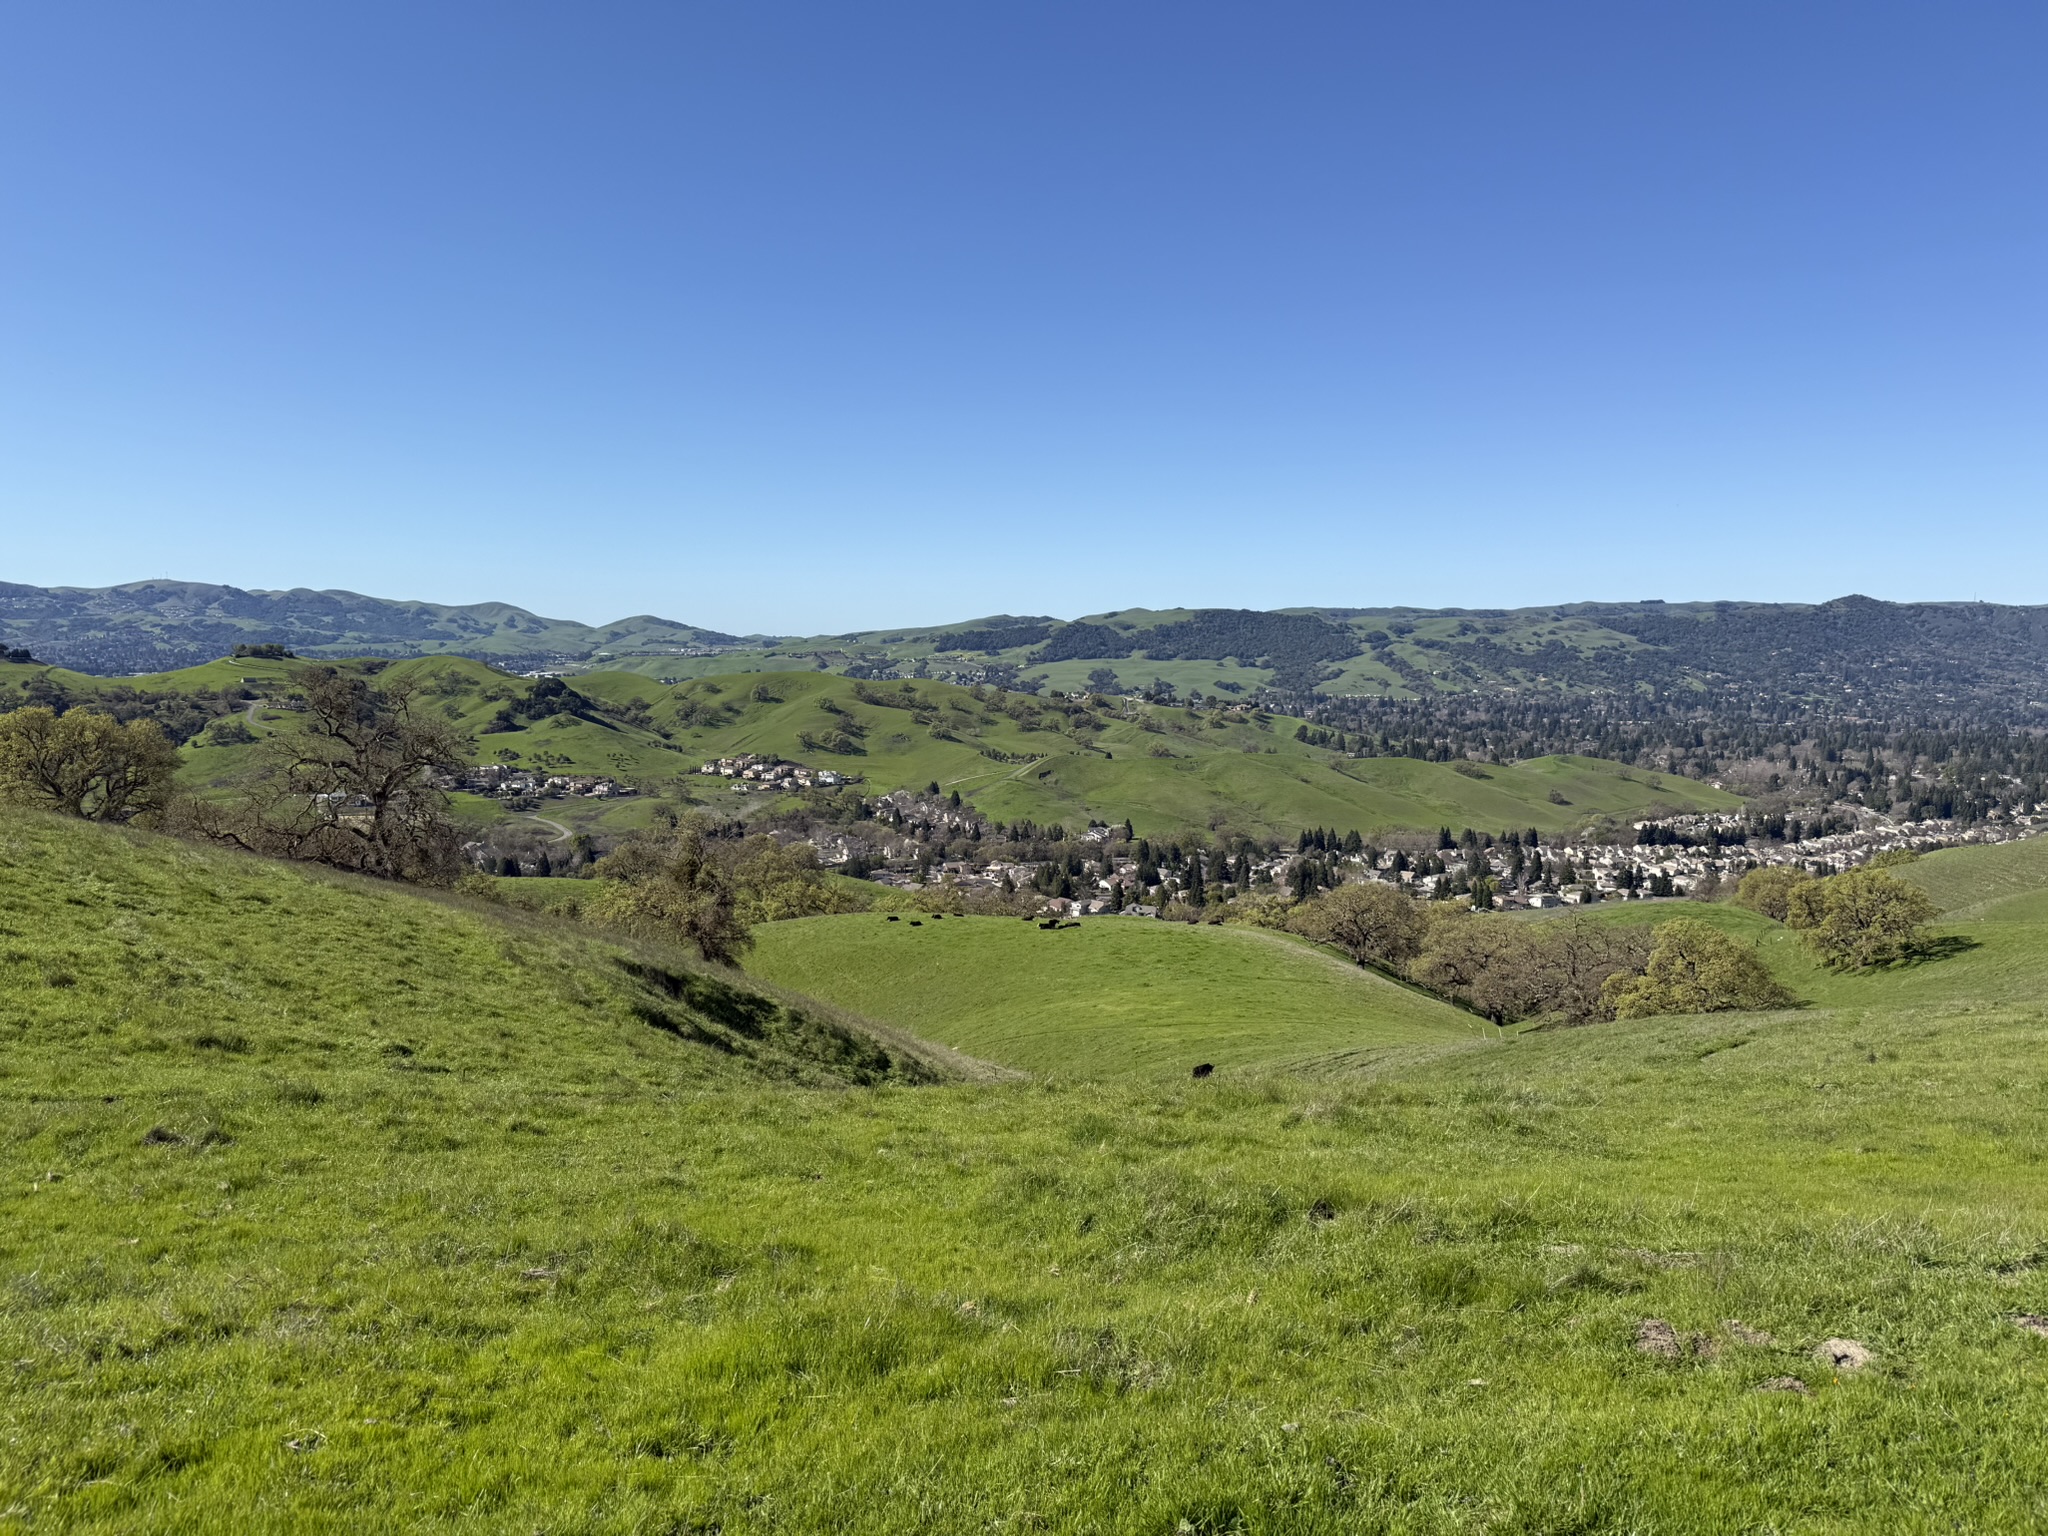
<point>327,1207</point>
<point>1966,882</point>
<point>144,959</point>
<point>1012,755</point>
<point>1123,994</point>
<point>1112,995</point>
<point>1164,769</point>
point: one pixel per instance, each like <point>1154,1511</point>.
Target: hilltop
<point>1853,656</point>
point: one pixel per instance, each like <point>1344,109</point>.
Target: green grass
<point>1967,881</point>
<point>559,895</point>
<point>594,1278</point>
<point>1113,995</point>
<point>139,956</point>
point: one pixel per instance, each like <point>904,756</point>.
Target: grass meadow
<point>326,1207</point>
<point>1109,996</point>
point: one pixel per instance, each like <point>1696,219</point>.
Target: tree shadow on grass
<point>1927,951</point>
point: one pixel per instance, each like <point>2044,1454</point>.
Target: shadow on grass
<point>1927,951</point>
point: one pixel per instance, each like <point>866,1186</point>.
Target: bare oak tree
<point>356,786</point>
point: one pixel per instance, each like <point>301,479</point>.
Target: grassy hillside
<point>1856,654</point>
<point>1967,881</point>
<point>130,959</point>
<point>595,1278</point>
<point>1852,653</point>
<point>1013,756</point>
<point>1113,995</point>
<point>1164,769</point>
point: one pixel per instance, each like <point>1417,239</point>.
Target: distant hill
<point>156,626</point>
<point>1853,656</point>
<point>1013,756</point>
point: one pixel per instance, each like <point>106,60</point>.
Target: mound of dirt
<point>1658,1338</point>
<point>1842,1354</point>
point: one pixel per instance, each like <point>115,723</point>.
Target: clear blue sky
<point>805,316</point>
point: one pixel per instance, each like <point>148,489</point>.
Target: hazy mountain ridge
<point>1854,655</point>
<point>151,626</point>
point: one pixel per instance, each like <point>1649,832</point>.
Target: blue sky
<point>802,317</point>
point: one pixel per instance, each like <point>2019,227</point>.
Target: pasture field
<point>1110,996</point>
<point>1966,882</point>
<point>328,1207</point>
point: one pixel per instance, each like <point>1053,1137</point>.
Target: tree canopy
<point>1859,918</point>
<point>83,763</point>
<point>1769,890</point>
<point>1694,967</point>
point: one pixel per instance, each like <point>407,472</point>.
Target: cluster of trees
<point>1581,969</point>
<point>548,697</point>
<point>1575,969</point>
<point>1295,646</point>
<point>354,787</point>
<point>1860,918</point>
<point>180,716</point>
<point>1918,769</point>
<point>1872,660</point>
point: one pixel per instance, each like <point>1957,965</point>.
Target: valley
<point>783,1108</point>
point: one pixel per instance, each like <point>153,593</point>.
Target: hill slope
<point>1013,756</point>
<point>1110,996</point>
<point>152,959</point>
<point>1854,655</point>
<point>574,1286</point>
